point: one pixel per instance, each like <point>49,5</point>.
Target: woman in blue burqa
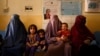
<point>15,36</point>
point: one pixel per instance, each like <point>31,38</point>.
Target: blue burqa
<point>15,36</point>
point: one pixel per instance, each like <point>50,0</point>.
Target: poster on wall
<point>50,8</point>
<point>71,8</point>
<point>66,10</point>
<point>92,5</point>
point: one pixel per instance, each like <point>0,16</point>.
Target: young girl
<point>42,42</point>
<point>31,41</point>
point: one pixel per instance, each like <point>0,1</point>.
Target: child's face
<point>32,30</point>
<point>64,27</point>
<point>41,34</point>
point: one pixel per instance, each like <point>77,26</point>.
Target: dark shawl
<point>15,36</point>
<point>79,32</point>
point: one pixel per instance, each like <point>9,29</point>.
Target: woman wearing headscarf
<point>56,47</point>
<point>79,32</point>
<point>52,28</point>
<point>15,36</point>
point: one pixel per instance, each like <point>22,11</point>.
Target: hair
<point>65,24</point>
<point>41,31</point>
<point>32,25</point>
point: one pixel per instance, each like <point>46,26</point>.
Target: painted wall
<point>35,16</point>
<point>93,20</point>
<point>27,20</point>
<point>18,6</point>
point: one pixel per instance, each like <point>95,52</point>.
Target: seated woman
<point>79,32</point>
<point>56,45</point>
<point>53,26</point>
<point>15,36</point>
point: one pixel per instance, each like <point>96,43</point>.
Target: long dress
<point>15,36</point>
<point>79,32</point>
<point>55,48</point>
<point>52,27</point>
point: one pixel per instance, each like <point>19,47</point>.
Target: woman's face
<point>32,30</point>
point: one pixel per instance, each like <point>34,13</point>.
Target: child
<point>42,42</point>
<point>64,33</point>
<point>31,41</point>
